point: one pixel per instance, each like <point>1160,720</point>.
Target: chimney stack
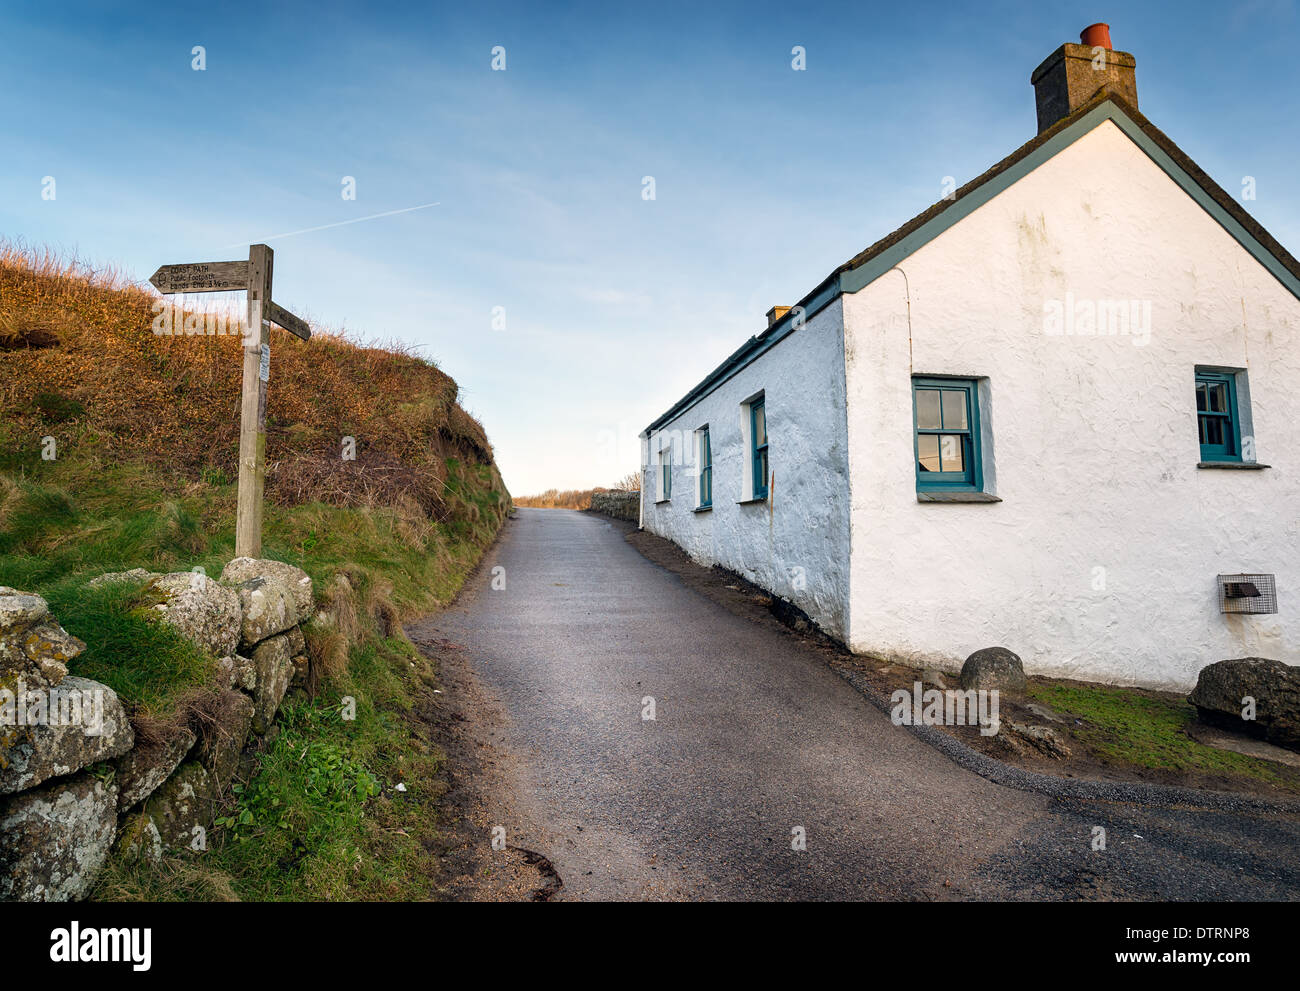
<point>1073,74</point>
<point>776,313</point>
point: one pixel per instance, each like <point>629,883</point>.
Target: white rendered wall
<point>1100,561</point>
<point>799,536</point>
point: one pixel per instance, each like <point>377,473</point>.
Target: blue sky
<point>765,178</point>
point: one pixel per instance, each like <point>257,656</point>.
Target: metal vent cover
<point>1247,594</point>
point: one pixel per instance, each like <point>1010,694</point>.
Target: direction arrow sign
<point>281,317</point>
<point>201,277</point>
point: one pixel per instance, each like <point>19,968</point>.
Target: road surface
<point>756,742</point>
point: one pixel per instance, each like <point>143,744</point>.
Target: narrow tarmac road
<point>754,740</point>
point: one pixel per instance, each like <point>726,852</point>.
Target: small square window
<point>946,434</point>
<point>1218,423</point>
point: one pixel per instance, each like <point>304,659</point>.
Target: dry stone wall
<point>620,505</point>
<point>76,783</point>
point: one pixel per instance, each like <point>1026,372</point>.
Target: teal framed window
<point>946,434</point>
<point>706,469</point>
<point>666,474</point>
<point>1217,419</point>
<point>758,445</point>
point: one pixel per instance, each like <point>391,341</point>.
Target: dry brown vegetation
<point>82,363</point>
<point>557,499</point>
<point>577,498</point>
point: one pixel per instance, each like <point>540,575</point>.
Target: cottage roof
<point>868,265</point>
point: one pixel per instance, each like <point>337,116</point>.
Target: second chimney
<point>776,313</point>
<point>1073,74</point>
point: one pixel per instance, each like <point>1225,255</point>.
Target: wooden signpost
<point>254,276</point>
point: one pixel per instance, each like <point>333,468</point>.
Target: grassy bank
<point>144,433</point>
<point>1149,731</point>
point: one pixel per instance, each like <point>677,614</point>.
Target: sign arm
<point>201,277</point>
<point>281,317</point>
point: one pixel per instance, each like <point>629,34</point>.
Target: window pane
<point>760,425</point>
<point>927,452</point>
<point>1200,397</point>
<point>760,470</point>
<point>954,409</point>
<point>927,409</point>
<point>1218,397</point>
<point>950,452</point>
<point>1212,429</point>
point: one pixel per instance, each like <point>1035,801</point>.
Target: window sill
<point>703,509</point>
<point>956,497</point>
<point>747,502</point>
<point>660,502</point>
<point>1239,465</point>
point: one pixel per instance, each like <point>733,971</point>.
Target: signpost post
<point>254,276</point>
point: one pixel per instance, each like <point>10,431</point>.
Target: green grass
<point>63,521</point>
<point>318,817</point>
<point>144,662</point>
<point>323,818</point>
<point>1133,729</point>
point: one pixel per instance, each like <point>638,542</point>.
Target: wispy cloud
<point>325,227</point>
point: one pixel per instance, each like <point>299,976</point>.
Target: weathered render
<point>796,542</point>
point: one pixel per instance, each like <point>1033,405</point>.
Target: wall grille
<point>1247,594</point>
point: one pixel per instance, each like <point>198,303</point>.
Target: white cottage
<point>1056,412</point>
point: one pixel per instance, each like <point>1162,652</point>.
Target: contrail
<point>341,223</point>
